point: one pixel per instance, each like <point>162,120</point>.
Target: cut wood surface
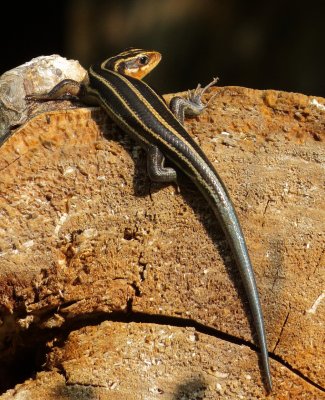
<point>116,287</point>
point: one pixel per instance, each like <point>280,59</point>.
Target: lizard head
<point>132,62</point>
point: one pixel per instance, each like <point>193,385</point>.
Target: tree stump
<point>114,287</point>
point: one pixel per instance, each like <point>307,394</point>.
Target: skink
<point>135,107</point>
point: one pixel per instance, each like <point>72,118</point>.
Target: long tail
<point>229,222</point>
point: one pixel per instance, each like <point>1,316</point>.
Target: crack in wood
<point>136,317</point>
<point>282,329</point>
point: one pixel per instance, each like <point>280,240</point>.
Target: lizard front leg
<point>181,107</point>
<point>68,89</point>
<point>192,105</point>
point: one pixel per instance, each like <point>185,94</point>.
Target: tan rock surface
<point>83,234</point>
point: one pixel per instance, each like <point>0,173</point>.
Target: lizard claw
<point>195,96</point>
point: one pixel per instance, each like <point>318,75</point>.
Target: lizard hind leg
<point>156,169</point>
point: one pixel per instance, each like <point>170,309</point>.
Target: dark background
<point>258,44</point>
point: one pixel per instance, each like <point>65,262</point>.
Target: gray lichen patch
<point>39,75</point>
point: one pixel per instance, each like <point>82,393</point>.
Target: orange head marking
<point>136,63</point>
<point>138,66</point>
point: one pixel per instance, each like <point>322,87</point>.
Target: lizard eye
<point>144,60</point>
